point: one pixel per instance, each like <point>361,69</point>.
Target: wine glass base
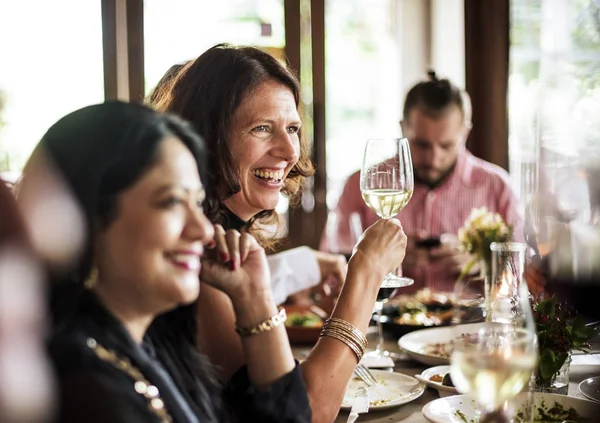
<point>394,281</point>
<point>383,353</point>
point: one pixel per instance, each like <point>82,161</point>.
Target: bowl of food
<point>438,378</point>
<point>304,323</point>
<point>404,314</point>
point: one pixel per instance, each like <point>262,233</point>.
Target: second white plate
<point>417,343</point>
<point>461,409</point>
<point>392,389</point>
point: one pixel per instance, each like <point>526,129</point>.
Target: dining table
<point>582,367</point>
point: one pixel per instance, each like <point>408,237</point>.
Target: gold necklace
<point>142,386</point>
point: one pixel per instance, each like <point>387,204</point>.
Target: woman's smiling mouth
<point>269,175</point>
<point>185,260</point>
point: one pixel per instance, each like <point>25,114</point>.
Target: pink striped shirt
<point>433,212</point>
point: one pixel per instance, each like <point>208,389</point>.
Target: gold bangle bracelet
<point>360,338</point>
<point>264,326</point>
<point>340,337</point>
<point>347,336</point>
<point>347,339</point>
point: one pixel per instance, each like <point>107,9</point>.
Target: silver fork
<point>365,375</point>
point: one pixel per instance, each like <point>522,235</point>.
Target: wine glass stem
<point>497,416</point>
<point>379,348</point>
<point>394,272</point>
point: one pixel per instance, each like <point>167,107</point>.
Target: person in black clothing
<point>123,341</point>
<point>245,104</point>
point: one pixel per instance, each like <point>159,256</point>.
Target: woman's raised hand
<point>235,264</point>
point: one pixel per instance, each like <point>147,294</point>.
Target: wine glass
<point>493,360</point>
<point>386,185</point>
<point>493,364</point>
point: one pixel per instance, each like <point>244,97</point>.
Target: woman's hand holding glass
<point>386,185</point>
<point>381,248</point>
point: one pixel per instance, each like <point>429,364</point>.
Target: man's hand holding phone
<point>417,250</point>
<point>429,242</point>
<point>422,251</point>
<point>448,256</point>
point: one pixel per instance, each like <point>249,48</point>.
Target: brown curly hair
<point>207,92</point>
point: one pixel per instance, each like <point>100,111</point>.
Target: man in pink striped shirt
<point>449,183</point>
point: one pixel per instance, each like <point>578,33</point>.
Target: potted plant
<point>560,330</point>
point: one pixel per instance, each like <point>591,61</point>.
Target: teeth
<point>276,176</point>
<point>191,260</point>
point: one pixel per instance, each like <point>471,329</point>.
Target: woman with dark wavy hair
<point>245,104</point>
<point>123,339</point>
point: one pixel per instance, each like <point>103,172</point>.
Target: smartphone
<point>430,242</point>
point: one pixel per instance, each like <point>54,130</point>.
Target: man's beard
<point>439,181</point>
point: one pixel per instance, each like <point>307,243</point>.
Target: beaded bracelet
<point>264,326</point>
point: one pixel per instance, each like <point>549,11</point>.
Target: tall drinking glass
<point>493,361</point>
<point>386,185</point>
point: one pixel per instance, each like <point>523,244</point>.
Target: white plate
<point>591,388</point>
<point>443,390</point>
<point>446,410</point>
<point>414,343</point>
<point>392,389</point>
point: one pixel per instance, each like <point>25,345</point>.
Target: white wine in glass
<point>386,186</point>
<point>386,203</point>
<point>494,364</point>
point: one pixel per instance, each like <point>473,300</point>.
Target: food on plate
<point>439,349</point>
<point>379,402</point>
<point>444,379</point>
<point>556,413</point>
<point>424,308</point>
<point>442,349</point>
<point>437,378</point>
<point>544,414</point>
<point>432,299</point>
<point>414,315</point>
<point>303,319</point>
<point>447,380</point>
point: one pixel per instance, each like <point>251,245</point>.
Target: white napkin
<point>377,362</point>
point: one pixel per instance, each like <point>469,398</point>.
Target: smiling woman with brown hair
<point>245,104</point>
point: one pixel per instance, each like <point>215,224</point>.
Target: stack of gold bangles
<point>346,333</point>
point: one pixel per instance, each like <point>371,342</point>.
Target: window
<point>180,30</point>
<point>363,83</point>
<point>51,65</point>
<point>554,88</point>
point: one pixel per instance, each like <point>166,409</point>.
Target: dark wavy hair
<point>100,151</point>
<point>207,92</point>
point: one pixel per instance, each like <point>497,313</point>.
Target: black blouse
<point>230,220</point>
<point>101,371</point>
